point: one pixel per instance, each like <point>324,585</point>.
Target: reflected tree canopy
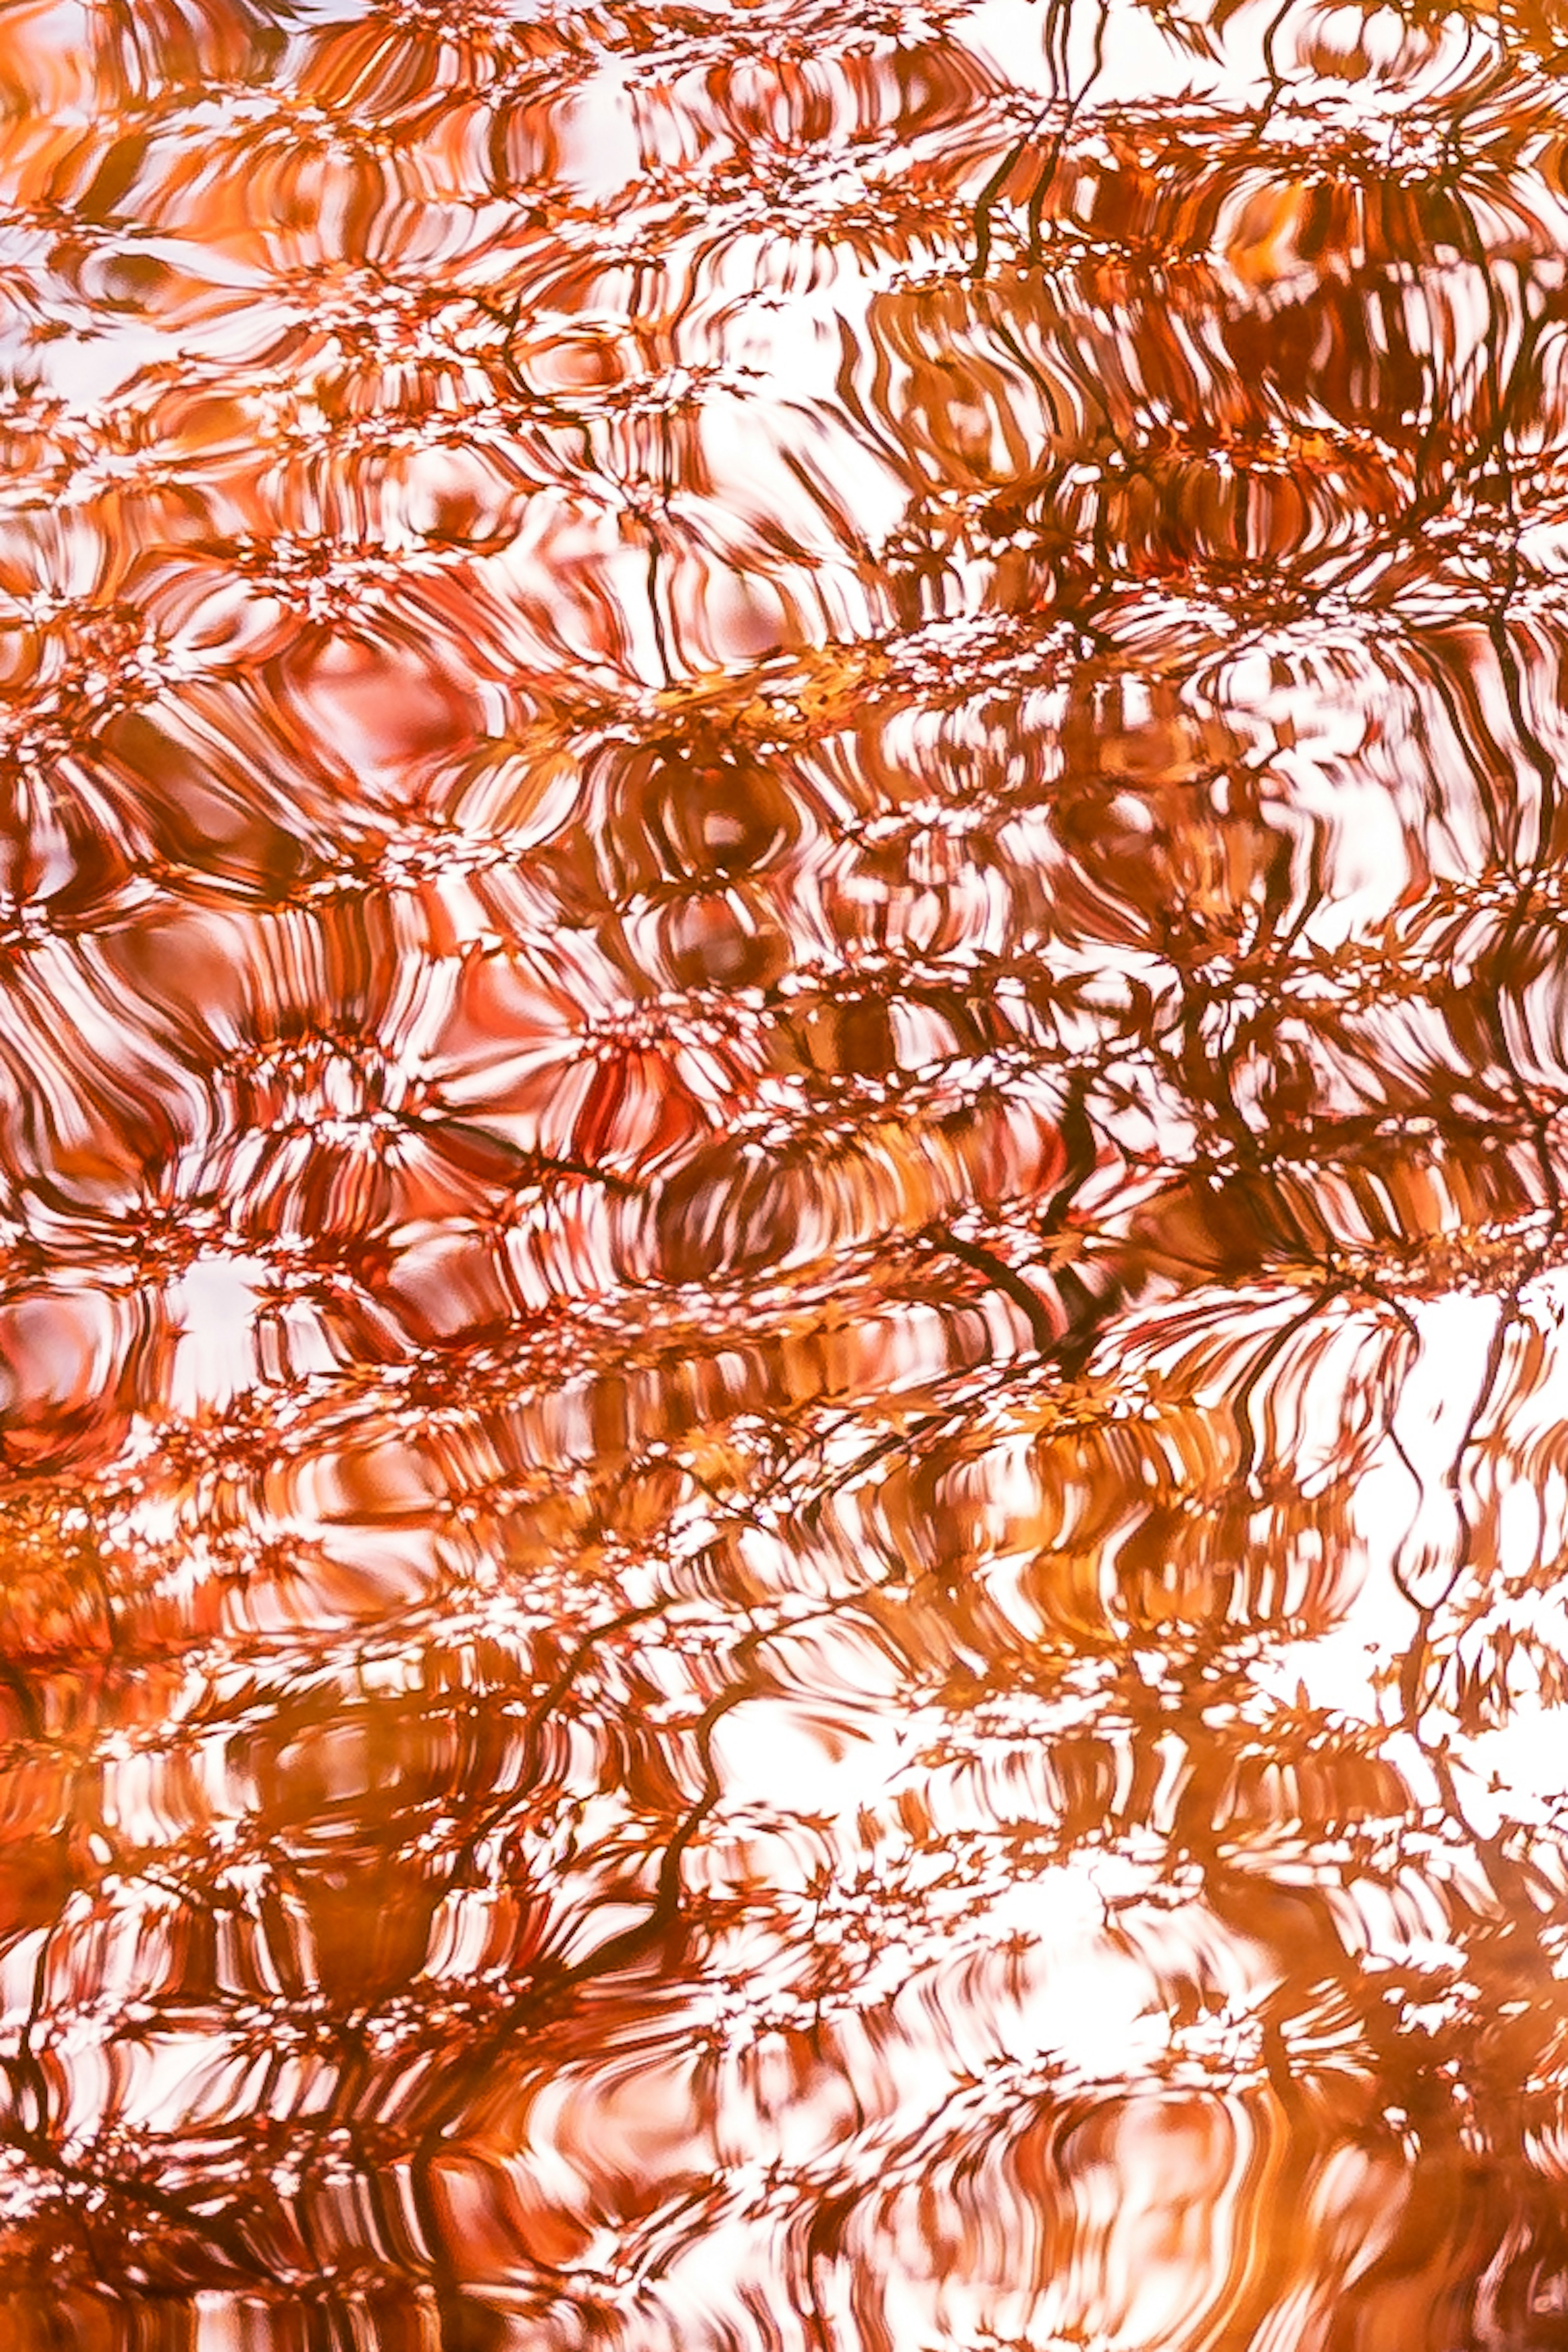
<point>783,1409</point>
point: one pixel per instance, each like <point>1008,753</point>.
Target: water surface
<point>783,1012</point>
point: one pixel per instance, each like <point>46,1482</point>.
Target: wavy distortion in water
<point>782,993</point>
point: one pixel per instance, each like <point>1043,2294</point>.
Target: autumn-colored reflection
<point>783,1343</point>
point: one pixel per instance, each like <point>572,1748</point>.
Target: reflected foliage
<point>783,1443</point>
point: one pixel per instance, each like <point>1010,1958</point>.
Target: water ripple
<point>782,1148</point>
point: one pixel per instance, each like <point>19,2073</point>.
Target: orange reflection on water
<point>782,1388</point>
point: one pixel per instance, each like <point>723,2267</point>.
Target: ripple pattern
<point>783,1274</point>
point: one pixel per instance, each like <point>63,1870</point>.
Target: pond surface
<point>784,1109</point>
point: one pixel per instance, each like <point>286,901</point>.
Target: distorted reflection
<point>783,1343</point>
